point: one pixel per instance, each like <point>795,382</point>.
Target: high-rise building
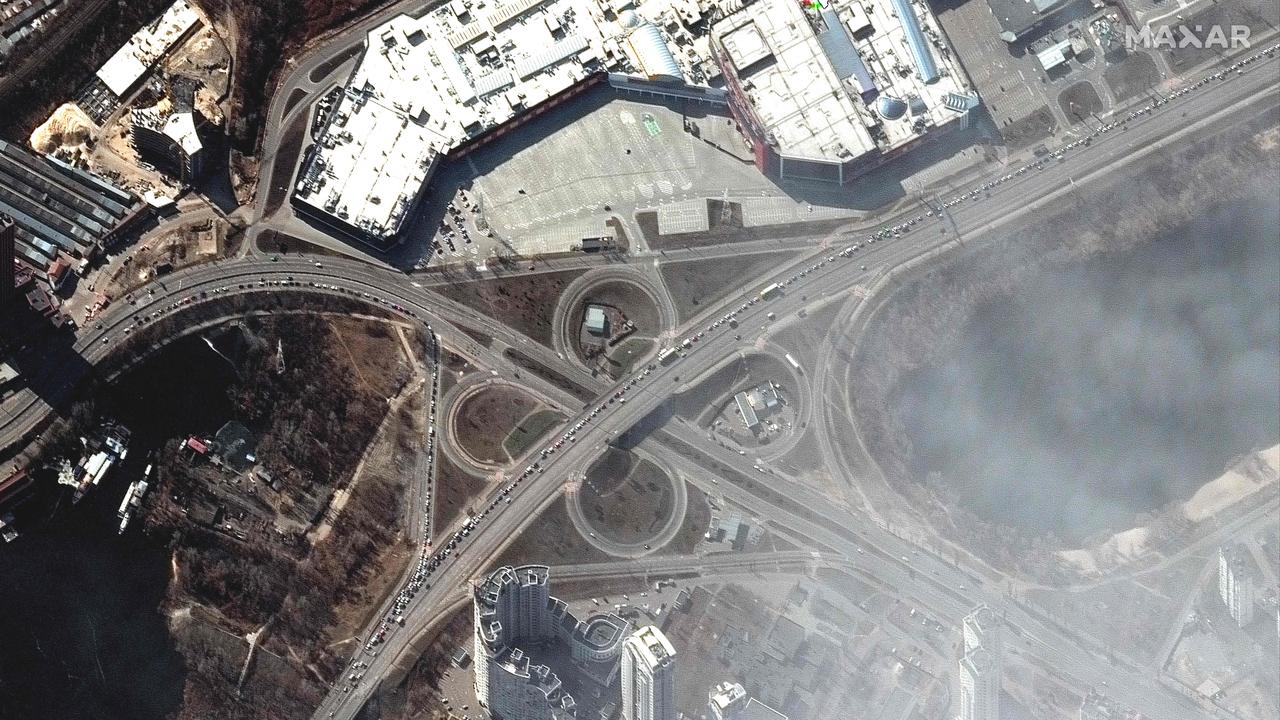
<point>726,701</point>
<point>8,239</point>
<point>514,613</point>
<point>648,676</point>
<point>981,629</point>
<point>511,606</point>
<point>1235,584</point>
<point>979,686</point>
<point>980,667</point>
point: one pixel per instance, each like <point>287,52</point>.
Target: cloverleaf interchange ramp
<point>341,277</point>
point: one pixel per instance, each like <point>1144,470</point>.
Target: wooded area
<point>266,32</point>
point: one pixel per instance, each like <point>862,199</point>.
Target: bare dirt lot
<point>697,518</point>
<point>1079,102</point>
<point>695,284</point>
<point>1028,131</point>
<point>529,430</point>
<point>456,490</point>
<point>729,231</point>
<point>1132,76</point>
<point>526,303</point>
<point>550,540</point>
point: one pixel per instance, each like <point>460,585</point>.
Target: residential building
<point>170,137</point>
<point>648,676</point>
<point>980,669</point>
<point>726,701</point>
<point>979,686</point>
<point>516,615</point>
<point>981,628</point>
<point>1236,583</point>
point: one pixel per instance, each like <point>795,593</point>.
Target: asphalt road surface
<point>937,584</point>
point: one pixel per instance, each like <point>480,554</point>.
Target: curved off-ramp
<point>454,400</point>
<point>667,533</point>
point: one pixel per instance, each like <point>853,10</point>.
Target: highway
<point>944,589</point>
<point>940,586</point>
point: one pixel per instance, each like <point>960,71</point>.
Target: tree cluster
<point>266,32</point>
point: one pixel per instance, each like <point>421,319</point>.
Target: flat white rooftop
<point>791,84</point>
<point>853,77</point>
<point>425,86</point>
<point>132,61</point>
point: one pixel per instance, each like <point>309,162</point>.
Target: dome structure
<point>890,108</point>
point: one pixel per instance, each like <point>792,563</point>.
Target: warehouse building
<point>8,273</point>
<point>826,94</point>
<point>456,78</point>
<point>59,211</point>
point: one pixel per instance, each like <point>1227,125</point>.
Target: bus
<point>794,365</point>
<point>773,290</point>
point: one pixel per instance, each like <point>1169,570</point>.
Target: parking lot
<point>562,176</point>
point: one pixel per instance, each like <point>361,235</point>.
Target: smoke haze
<point>1113,387</point>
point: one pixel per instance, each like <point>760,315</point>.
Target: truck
<point>772,291</point>
<point>794,365</point>
<point>668,356</point>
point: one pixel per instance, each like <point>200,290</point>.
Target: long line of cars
<point>429,563</point>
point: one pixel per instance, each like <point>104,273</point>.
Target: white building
<point>123,70</point>
<point>726,701</point>
<point>648,676</point>
<point>428,86</point>
<point>980,665</point>
<point>979,686</point>
<point>1235,584</point>
<point>826,91</point>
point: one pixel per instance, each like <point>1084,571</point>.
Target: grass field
<point>529,430</point>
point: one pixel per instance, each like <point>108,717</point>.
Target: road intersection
<point>945,589</point>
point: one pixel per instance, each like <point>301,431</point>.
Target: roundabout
<point>635,313</point>
<point>628,503</point>
<point>490,423</point>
